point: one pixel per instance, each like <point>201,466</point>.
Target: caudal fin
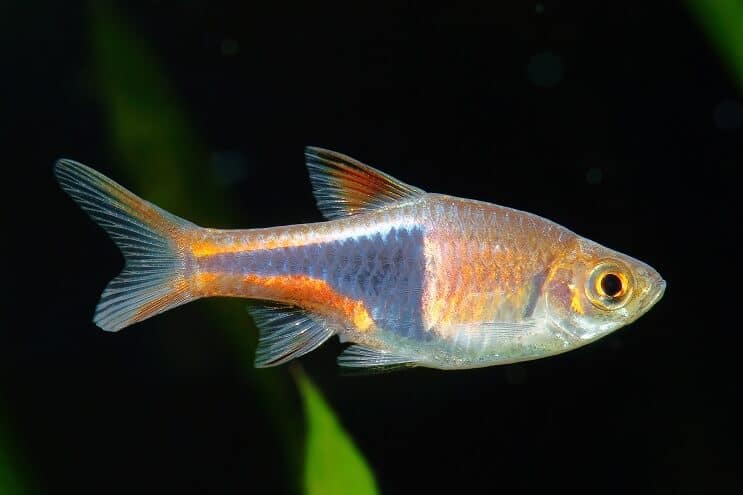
<point>152,280</point>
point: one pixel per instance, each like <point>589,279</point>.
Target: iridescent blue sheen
<point>384,270</point>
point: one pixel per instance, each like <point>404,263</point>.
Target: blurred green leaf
<point>147,127</point>
<point>9,483</point>
<point>723,21</point>
<point>165,160</point>
<point>10,478</point>
<point>333,464</point>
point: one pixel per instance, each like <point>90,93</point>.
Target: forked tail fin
<point>154,276</point>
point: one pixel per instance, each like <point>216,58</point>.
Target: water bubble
<point>729,115</point>
<point>516,374</point>
<point>230,47</point>
<point>545,69</point>
<point>594,175</point>
<point>539,8</point>
<point>229,167</point>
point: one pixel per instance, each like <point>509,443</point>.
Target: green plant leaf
<point>723,21</point>
<point>11,477</point>
<point>165,160</point>
<point>333,464</point>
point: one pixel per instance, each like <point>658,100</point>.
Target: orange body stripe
<point>309,293</point>
<point>210,242</point>
<point>237,241</point>
<point>209,247</point>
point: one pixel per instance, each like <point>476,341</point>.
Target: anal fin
<point>287,332</point>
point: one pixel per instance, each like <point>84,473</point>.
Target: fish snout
<point>655,292</point>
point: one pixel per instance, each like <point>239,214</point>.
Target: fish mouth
<point>656,292</point>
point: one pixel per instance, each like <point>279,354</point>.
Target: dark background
<point>620,122</point>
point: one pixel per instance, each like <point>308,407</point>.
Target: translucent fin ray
<point>152,280</point>
<point>478,334</point>
<point>287,332</point>
<point>359,356</point>
<point>344,186</point>
<point>496,329</point>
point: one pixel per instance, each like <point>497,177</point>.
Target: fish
<point>404,277</point>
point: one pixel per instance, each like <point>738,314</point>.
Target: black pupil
<point>611,285</point>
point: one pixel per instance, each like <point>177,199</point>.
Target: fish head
<point>593,290</point>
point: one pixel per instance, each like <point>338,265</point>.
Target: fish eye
<point>609,285</point>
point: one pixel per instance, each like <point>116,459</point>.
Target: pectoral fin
<point>359,356</point>
<point>475,335</point>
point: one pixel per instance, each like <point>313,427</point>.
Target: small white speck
<point>545,69</point>
<point>594,175</point>
<point>229,47</point>
<point>729,115</point>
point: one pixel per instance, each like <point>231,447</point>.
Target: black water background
<point>629,143</point>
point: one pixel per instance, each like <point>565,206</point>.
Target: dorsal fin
<point>344,186</point>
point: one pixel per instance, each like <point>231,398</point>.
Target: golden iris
<point>609,285</point>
